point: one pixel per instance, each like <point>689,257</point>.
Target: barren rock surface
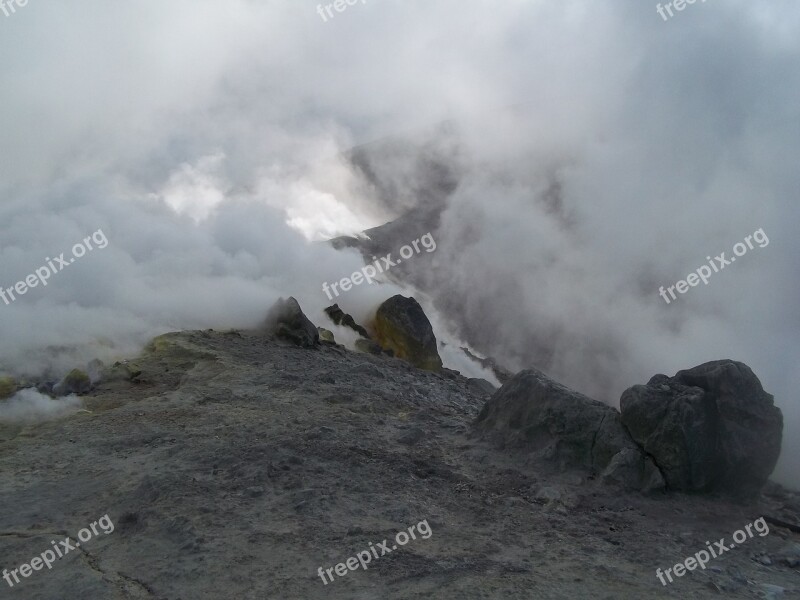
<point>234,466</point>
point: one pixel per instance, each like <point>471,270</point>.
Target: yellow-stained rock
<point>8,387</point>
<point>401,326</point>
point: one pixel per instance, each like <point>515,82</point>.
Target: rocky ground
<point>234,466</point>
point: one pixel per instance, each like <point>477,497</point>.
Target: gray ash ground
<point>234,466</point>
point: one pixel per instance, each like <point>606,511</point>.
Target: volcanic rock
<point>8,387</point>
<point>401,326</point>
<point>236,465</point>
<point>326,335</point>
<point>553,422</point>
<point>499,371</point>
<point>338,316</point>
<point>287,321</point>
<point>481,386</point>
<point>76,382</point>
<point>710,428</point>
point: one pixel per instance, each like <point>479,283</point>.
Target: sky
<point>601,152</point>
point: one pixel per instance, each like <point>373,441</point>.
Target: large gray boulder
<point>550,421</point>
<point>287,321</point>
<point>710,428</point>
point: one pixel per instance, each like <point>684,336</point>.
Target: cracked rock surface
<point>549,421</point>
<point>709,428</point>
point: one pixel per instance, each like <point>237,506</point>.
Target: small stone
<point>771,592</point>
<point>326,335</point>
<point>790,555</point>
<point>686,537</point>
<point>255,491</point>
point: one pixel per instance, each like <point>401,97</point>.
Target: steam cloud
<point>29,406</point>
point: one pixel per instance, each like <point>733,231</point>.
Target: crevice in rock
<point>137,584</point>
<point>594,441</point>
<point>131,588</point>
<point>646,454</point>
<point>655,464</point>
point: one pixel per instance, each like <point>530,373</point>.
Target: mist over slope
<point>579,297</point>
<point>590,155</point>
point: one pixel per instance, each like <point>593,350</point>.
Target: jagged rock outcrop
<point>710,428</point>
<point>553,422</point>
<point>499,371</point>
<point>401,326</point>
<point>338,316</point>
<point>76,382</point>
<point>287,321</point>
